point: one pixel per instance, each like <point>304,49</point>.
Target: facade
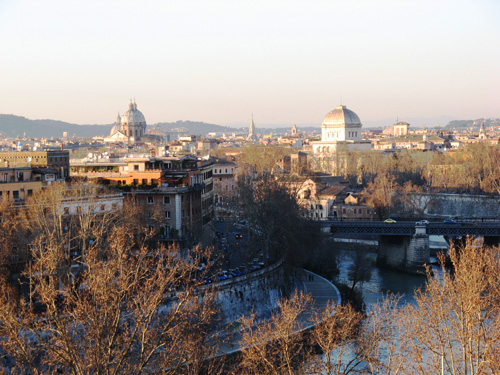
<point>294,163</point>
<point>207,194</point>
<point>17,184</point>
<point>53,163</point>
<point>318,195</point>
<point>175,193</point>
<point>351,209</point>
<point>224,178</point>
<point>174,212</point>
<point>399,129</point>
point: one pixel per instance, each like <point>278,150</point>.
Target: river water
<point>384,281</point>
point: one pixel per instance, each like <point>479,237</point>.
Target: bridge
<point>409,228</point>
<point>405,245</point>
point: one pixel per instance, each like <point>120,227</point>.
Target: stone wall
<point>461,205</point>
<point>257,291</point>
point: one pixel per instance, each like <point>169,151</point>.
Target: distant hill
<point>195,127</point>
<point>415,122</point>
<point>13,126</point>
<point>458,124</point>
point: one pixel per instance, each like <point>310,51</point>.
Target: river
<point>383,280</point>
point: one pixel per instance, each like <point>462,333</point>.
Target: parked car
<point>238,236</point>
<point>449,221</point>
<point>389,221</point>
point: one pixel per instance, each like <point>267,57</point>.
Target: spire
<point>482,134</point>
<point>251,130</point>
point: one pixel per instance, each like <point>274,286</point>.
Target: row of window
<point>166,199</point>
<point>15,194</point>
<point>183,213</point>
<point>220,170</point>
<point>357,211</point>
<point>144,181</point>
<point>79,209</point>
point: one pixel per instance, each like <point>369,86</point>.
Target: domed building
<point>131,127</point>
<point>340,131</point>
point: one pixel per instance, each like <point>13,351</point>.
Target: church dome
<point>341,116</point>
<point>133,116</point>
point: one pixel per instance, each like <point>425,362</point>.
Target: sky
<point>285,62</point>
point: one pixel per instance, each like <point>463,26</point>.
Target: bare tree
<point>379,194</point>
<point>275,346</point>
<point>335,333</point>
<point>454,327</point>
<point>119,308</point>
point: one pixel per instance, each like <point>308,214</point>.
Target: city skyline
<point>220,61</point>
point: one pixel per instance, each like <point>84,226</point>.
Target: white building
<point>131,127</point>
<point>340,131</point>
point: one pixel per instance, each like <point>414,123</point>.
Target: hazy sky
<point>220,61</point>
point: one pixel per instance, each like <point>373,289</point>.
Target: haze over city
<point>220,61</point>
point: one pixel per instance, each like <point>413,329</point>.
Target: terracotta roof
<point>332,190</point>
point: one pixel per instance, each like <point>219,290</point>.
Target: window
<point>15,194</point>
<point>136,181</point>
<point>66,210</point>
<point>136,167</point>
<point>79,209</point>
<point>166,200</point>
<point>167,214</point>
<point>182,213</point>
<point>30,192</point>
<point>102,207</point>
<point>144,181</point>
<point>151,199</point>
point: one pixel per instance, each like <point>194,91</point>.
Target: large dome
<point>341,116</point>
<point>133,116</point>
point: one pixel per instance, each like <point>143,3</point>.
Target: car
<point>449,221</point>
<point>238,236</point>
<point>422,222</point>
<point>389,221</point>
